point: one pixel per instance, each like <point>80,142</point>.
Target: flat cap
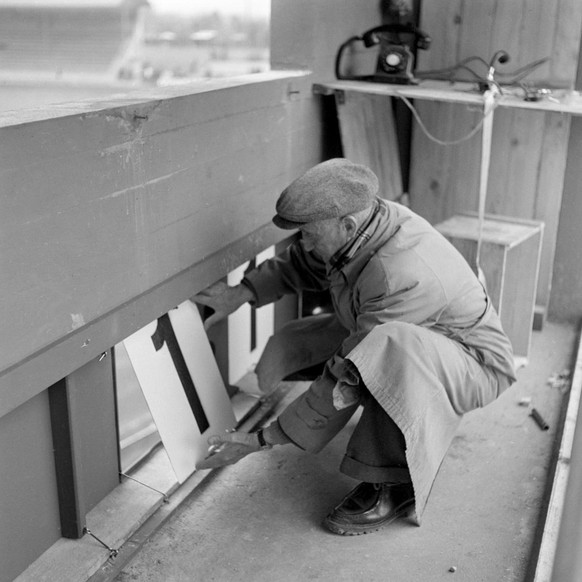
<point>331,189</point>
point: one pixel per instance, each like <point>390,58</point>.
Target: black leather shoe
<point>370,507</point>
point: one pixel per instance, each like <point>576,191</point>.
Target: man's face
<point>324,237</point>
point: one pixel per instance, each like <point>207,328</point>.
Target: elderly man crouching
<point>413,340</point>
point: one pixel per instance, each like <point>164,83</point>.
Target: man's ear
<point>350,224</point>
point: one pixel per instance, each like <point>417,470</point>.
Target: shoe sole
<point>358,530</point>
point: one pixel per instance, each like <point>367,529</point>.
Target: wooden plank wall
<point>102,204</point>
<point>529,149</point>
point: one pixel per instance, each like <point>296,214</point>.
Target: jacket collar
<point>354,256</point>
<point>344,255</point>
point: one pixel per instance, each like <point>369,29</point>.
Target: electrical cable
<point>526,68</point>
<point>424,129</point>
<point>453,68</point>
<point>339,54</point>
<point>524,73</point>
<point>448,73</point>
<point>513,77</point>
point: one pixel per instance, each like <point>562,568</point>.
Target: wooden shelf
<point>559,101</point>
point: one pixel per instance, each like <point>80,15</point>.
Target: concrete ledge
<point>553,520</point>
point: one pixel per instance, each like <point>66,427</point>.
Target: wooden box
<point>510,258</point>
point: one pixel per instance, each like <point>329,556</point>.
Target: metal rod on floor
<point>146,485</point>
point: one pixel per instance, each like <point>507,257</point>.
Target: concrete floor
<point>259,520</point>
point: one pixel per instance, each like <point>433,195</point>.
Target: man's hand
<point>229,449</point>
<point>223,299</point>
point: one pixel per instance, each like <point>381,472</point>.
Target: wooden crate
<point>510,259</point>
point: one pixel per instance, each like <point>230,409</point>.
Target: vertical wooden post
<point>71,506</point>
<point>86,448</point>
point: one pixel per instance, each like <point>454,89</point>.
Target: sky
<point>253,7</point>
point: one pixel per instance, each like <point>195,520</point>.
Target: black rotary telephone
<point>395,62</point>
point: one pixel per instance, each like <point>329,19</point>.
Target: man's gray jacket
<point>410,317</point>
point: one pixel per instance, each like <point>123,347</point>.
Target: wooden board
<point>100,203</point>
<point>85,441</point>
<point>562,100</point>
<point>174,364</point>
<point>115,211</point>
<point>249,328</point>
<point>368,133</point>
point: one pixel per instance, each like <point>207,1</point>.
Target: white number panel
<point>175,366</point>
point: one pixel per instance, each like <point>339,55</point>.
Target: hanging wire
<point>520,73</point>
<point>448,72</point>
<point>424,129</point>
<point>507,77</point>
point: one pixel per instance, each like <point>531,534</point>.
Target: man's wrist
<point>263,444</point>
<point>274,435</point>
<point>247,291</point>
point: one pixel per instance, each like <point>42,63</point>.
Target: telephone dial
<point>395,62</point>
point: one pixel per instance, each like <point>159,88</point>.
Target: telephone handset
<point>395,63</point>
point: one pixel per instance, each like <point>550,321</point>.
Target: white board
<point>242,357</point>
<point>186,411</point>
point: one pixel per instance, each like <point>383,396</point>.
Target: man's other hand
<point>229,449</point>
<point>223,299</point>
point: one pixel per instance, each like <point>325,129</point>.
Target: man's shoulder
<point>415,251</point>
<point>404,231</point>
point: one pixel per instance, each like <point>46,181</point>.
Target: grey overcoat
<point>413,319</point>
